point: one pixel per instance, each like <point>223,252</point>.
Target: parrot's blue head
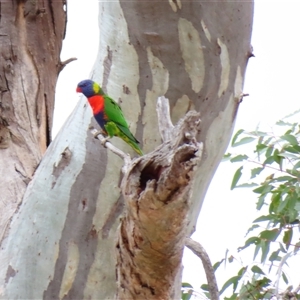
<point>88,88</point>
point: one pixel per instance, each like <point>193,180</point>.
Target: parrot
<point>107,113</point>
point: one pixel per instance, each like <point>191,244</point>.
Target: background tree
<point>272,166</point>
<point>198,61</point>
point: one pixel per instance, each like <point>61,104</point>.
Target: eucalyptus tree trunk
<point>31,34</point>
<point>62,241</point>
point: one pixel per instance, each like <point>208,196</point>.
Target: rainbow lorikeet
<point>108,113</point>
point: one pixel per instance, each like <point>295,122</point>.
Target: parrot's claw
<point>99,132</point>
<point>101,136</point>
<point>103,142</point>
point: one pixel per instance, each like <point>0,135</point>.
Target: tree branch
<point>126,157</point>
<point>198,250</point>
<point>62,64</point>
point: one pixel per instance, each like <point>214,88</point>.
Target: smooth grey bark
<point>198,250</point>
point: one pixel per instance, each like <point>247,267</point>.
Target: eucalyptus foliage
<point>272,169</point>
<point>270,165</point>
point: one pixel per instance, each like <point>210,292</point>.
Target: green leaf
<point>255,172</point>
<point>293,172</point>
<point>225,258</point>
<point>254,226</point>
<point>260,148</point>
<point>292,200</point>
<point>236,177</point>
<point>269,151</point>
<point>260,202</point>
<point>290,138</point>
<point>259,133</point>
<point>186,295</point>
<point>264,218</point>
<point>287,238</point>
<point>217,264</point>
<point>232,281</point>
<point>252,240</point>
<point>291,217</point>
<point>285,178</point>
<point>277,157</point>
<point>293,149</point>
<point>265,248</point>
<point>239,158</point>
<point>282,205</point>
<point>257,248</point>
<point>186,285</point>
<point>258,270</point>
<point>287,155</point>
<point>288,131</point>
<point>274,203</point>
<point>283,123</point>
<point>226,157</point>
<point>232,297</point>
<point>270,235</point>
<point>263,282</point>
<point>282,248</point>
<point>269,160</point>
<point>296,166</point>
<point>263,189</point>
<point>242,271</point>
<point>204,287</point>
<point>236,136</point>
<point>275,256</point>
<point>187,291</point>
<point>247,185</point>
<point>285,279</point>
<point>297,247</point>
<point>243,141</point>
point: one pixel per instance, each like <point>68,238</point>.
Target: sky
<point>272,81</point>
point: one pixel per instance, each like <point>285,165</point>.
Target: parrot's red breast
<point>97,103</point>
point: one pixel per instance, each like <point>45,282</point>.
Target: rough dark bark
<point>31,34</point>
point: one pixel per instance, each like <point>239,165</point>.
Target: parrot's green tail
<point>135,147</point>
<point>134,144</point>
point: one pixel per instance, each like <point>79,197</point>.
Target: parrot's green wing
<point>117,125</point>
<point>113,111</point>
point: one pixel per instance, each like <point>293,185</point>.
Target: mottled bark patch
<point>79,236</point>
<point>9,273</point>
<point>58,168</point>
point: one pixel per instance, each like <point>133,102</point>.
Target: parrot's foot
<point>102,136</point>
<point>104,140</point>
<point>99,132</point>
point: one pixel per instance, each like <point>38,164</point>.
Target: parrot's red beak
<point>78,90</point>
